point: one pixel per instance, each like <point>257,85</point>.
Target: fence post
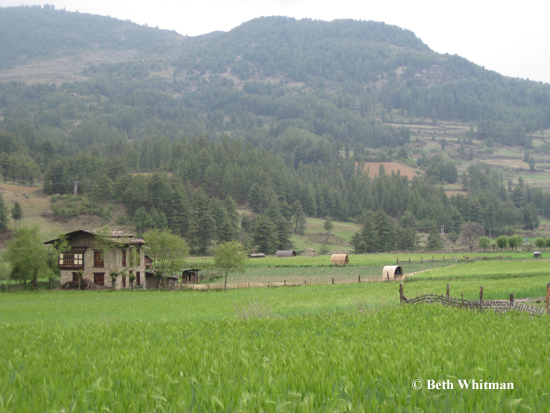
<point>305,282</point>
<point>409,260</point>
<point>511,301</point>
<point>462,305</point>
<point>359,279</point>
<point>333,280</point>
<point>448,290</point>
<point>285,283</point>
<point>401,293</point>
<point>547,295</point>
<point>432,259</point>
<point>480,297</point>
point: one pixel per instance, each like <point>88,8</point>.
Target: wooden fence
<point>497,306</point>
<point>464,258</point>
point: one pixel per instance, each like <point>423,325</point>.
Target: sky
<point>511,38</point>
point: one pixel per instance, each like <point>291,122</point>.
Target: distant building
<point>286,253</point>
<point>83,255</point>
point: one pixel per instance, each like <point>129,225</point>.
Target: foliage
<point>502,241</point>
<point>484,242</point>
<point>264,234</point>
<point>3,213</point>
<point>229,257</point>
<point>26,254</point>
<point>17,213</point>
<point>470,232</point>
<point>434,239</point>
<point>167,250</point>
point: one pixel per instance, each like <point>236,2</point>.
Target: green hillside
<point>274,116</point>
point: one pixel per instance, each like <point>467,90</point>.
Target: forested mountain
<point>273,114</point>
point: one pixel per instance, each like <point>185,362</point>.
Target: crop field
<point>358,360</point>
<point>309,348</point>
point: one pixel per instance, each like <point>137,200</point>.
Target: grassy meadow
<point>308,349</point>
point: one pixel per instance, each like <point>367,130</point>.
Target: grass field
<point>341,347</point>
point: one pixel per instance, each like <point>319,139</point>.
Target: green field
<point>311,348</point>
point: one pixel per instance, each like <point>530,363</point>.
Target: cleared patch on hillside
<point>64,69</point>
<point>373,167</point>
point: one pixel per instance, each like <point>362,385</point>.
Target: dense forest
<point>273,115</point>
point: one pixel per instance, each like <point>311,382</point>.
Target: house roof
<point>116,236</point>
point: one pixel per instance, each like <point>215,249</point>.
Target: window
<point>98,259</point>
<point>124,258</point>
<point>137,278</point>
<point>72,260</point>
<point>99,278</point>
<point>124,281</point>
<point>75,276</point>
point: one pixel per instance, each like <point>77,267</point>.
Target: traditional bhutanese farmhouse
<point>392,272</point>
<point>83,255</point>
<point>339,259</point>
<point>285,253</point>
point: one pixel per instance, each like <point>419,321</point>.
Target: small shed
<point>152,282</point>
<point>339,259</point>
<point>190,275</point>
<point>392,272</point>
<point>258,255</point>
<point>286,253</point>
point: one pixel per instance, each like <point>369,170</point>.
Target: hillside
<point>273,116</point>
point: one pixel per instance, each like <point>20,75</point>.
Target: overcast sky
<point>511,38</point>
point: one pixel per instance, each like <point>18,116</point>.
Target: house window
<point>124,258</point>
<point>124,281</point>
<point>138,282</point>
<point>98,259</point>
<point>99,278</point>
<point>72,260</point>
<point>75,276</point>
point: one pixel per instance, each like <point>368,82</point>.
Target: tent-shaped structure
<point>285,253</point>
<point>339,259</point>
<point>392,272</point>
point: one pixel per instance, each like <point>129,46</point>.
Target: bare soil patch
<point>373,167</point>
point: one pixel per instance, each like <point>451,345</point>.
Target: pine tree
<point>434,239</point>
<point>299,220</point>
<point>3,213</point>
<point>17,213</point>
<point>265,235</point>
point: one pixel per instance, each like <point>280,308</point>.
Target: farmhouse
<point>83,255</point>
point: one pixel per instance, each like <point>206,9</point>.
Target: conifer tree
<point>17,213</point>
<point>434,240</point>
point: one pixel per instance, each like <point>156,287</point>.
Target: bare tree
<point>470,232</point>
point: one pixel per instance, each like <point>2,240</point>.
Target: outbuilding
<point>392,272</point>
<point>286,253</point>
<point>257,255</point>
<point>339,259</point>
